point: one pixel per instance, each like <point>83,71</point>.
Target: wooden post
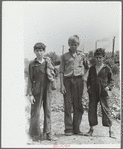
<point>62,49</point>
<point>95,45</point>
<point>113,47</point>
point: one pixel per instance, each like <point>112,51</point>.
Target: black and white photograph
<point>61,74</point>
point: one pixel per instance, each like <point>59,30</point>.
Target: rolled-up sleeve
<point>62,65</point>
<point>49,64</point>
<point>86,63</point>
<point>89,79</point>
<point>50,74</point>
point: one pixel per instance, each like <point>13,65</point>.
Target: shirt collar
<point>35,60</point>
<point>77,52</point>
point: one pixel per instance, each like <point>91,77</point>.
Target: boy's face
<point>99,59</point>
<point>73,46</point>
<point>39,53</point>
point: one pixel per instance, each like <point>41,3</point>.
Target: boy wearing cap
<point>39,90</point>
<point>72,67</point>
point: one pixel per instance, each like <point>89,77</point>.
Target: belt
<point>73,77</point>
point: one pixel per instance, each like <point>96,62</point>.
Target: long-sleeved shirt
<point>73,65</point>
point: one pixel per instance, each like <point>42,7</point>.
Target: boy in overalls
<point>39,90</point>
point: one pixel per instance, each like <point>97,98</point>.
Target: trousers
<point>73,97</point>
<point>92,113</point>
<point>43,98</point>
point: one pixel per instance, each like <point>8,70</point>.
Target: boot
<point>89,133</point>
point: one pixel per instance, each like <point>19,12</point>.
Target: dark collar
<point>36,61</point>
<point>103,65</point>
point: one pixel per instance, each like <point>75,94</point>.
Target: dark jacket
<point>101,81</point>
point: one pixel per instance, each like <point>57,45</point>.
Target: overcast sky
<point>54,22</point>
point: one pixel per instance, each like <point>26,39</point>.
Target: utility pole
<point>62,49</point>
<point>83,50</point>
<point>113,47</point>
<point>95,45</point>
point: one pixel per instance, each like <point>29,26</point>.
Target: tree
<point>115,70</point>
<point>26,65</point>
<point>109,62</point>
<point>54,58</point>
<point>91,54</point>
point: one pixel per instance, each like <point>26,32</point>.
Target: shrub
<point>91,54</point>
<point>109,62</point>
<point>92,61</point>
<point>55,59</point>
<point>26,73</point>
<point>115,70</point>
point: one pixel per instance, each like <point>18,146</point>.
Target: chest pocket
<point>36,69</point>
<point>36,88</point>
<point>80,62</point>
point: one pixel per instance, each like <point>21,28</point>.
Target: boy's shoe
<point>37,138</point>
<point>48,136</point>
<point>89,133</point>
<point>79,133</point>
<point>68,134</point>
<point>111,134</point>
<point>51,137</point>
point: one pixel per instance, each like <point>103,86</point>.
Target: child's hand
<point>31,99</point>
<point>88,89</point>
<point>107,89</point>
<point>62,89</point>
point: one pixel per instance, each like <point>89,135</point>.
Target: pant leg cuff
<point>68,131</point>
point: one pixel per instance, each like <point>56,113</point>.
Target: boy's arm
<point>29,84</point>
<point>50,74</point>
<point>61,70</point>
<point>50,70</point>
<point>110,81</point>
<point>62,87</point>
<point>89,79</point>
<point>86,64</point>
<point>86,68</point>
<point>61,79</point>
<point>49,63</point>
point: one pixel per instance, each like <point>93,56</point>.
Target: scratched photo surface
<point>93,25</point>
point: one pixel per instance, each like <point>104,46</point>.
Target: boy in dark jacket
<point>99,82</point>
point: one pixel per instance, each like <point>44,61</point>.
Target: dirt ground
<point>100,135</point>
